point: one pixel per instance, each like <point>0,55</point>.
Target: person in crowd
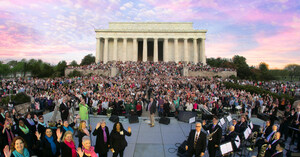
<point>139,109</point>
<point>87,150</point>
<point>83,130</point>
<point>117,140</point>
<point>18,148</point>
<point>152,110</point>
<point>67,127</point>
<point>272,144</point>
<point>41,127</point>
<point>7,134</point>
<point>102,138</point>
<point>83,110</point>
<point>67,145</point>
<point>64,110</point>
<point>216,134</point>
<point>279,150</point>
<point>23,131</point>
<point>196,143</point>
<point>31,123</point>
<point>2,115</point>
<point>48,143</point>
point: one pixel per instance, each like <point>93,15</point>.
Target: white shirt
<point>197,134</point>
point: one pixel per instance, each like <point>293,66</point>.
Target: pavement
<point>158,141</point>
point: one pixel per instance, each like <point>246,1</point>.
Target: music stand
<point>247,132</point>
<point>191,121</point>
<point>237,142</point>
<point>229,118</point>
<point>226,148</point>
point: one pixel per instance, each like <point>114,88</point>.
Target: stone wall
<point>22,108</point>
<point>223,74</point>
<point>112,72</point>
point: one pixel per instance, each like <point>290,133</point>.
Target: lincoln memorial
<point>150,41</point>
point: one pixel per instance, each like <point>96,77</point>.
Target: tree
<point>263,67</point>
<point>294,70</point>
<point>87,60</point>
<point>60,68</point>
<point>243,70</point>
<point>73,63</point>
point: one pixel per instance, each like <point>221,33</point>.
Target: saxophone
<point>262,150</point>
<point>209,136</point>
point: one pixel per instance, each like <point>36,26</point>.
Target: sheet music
<point>192,120</point>
<point>247,132</point>
<point>237,141</point>
<point>229,118</point>
<point>222,121</point>
<point>226,148</point>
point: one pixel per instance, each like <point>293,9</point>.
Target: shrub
<point>75,73</point>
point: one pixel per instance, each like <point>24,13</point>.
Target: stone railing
<point>223,74</point>
<point>111,72</point>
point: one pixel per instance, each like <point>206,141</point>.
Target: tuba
<point>262,150</point>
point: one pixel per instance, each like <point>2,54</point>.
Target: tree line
<point>290,72</point>
<point>38,68</point>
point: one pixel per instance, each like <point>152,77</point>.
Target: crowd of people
<point>137,87</point>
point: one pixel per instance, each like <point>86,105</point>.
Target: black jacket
<point>80,136</point>
<point>101,147</point>
<point>118,141</point>
<point>242,127</point>
<point>216,138</point>
<point>153,107</point>
<point>41,130</point>
<point>45,148</point>
<point>64,111</point>
<point>201,142</point>
<point>66,151</point>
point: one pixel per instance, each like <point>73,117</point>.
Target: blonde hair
<point>80,125</point>
<point>66,133</point>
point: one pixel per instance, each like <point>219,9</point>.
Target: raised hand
<point>38,135</point>
<point>80,152</point>
<point>98,125</point>
<point>6,151</point>
<point>58,134</point>
<point>129,129</point>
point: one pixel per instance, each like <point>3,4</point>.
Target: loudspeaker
<point>263,116</point>
<point>114,118</point>
<point>185,116</point>
<point>164,120</point>
<point>255,128</point>
<point>133,119</point>
<point>181,149</point>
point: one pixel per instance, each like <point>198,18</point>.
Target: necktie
<point>104,135</point>
<point>213,127</point>
<point>196,139</point>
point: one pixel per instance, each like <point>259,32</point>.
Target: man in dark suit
<point>272,144</point>
<point>230,136</point>
<point>279,150</point>
<point>196,143</point>
<point>215,140</point>
<point>64,110</point>
<point>242,125</point>
<point>152,109</point>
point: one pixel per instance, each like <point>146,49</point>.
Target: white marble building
<point>150,41</point>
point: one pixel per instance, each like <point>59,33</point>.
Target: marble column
<point>115,54</point>
<point>166,50</point>
<point>155,50</point>
<point>125,49</point>
<point>195,51</point>
<point>145,48</point>
<point>101,49</point>
<point>98,51</point>
<point>105,55</point>
<point>176,50</point>
<point>135,50</point>
<point>202,52</point>
<point>186,50</point>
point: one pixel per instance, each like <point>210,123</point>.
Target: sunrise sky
<point>54,30</point>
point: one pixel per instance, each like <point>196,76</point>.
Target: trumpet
<point>262,150</point>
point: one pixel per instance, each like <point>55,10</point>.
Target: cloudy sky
<point>53,30</point>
